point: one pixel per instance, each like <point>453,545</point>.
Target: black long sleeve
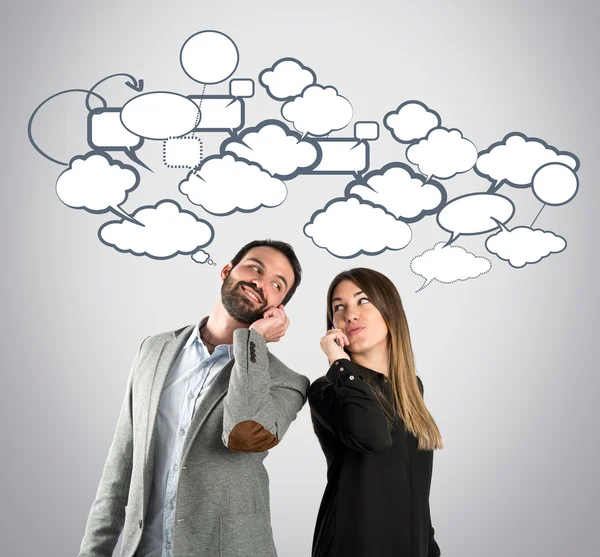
<point>376,502</point>
<point>345,404</point>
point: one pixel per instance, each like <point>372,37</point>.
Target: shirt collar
<point>195,336</point>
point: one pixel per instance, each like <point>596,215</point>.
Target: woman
<point>373,426</point>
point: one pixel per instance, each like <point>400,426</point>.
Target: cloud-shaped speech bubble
<point>555,184</point>
<point>412,120</point>
<point>166,230</point>
<point>287,78</point>
<point>522,245</point>
<point>348,227</point>
<point>475,213</point>
<point>202,257</point>
<point>448,264</point>
<point>160,115</point>
<point>97,183</point>
<point>516,158</point>
<point>400,191</point>
<point>224,184</point>
<point>318,111</point>
<point>275,148</point>
<point>443,153</point>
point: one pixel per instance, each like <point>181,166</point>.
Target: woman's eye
<point>336,308</point>
<point>363,300</point>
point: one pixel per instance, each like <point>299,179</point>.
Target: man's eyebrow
<point>262,266</point>
<point>354,296</point>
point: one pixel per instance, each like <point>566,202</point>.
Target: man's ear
<point>225,271</point>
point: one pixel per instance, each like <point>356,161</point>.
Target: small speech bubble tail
<point>424,285</point>
<point>356,145</point>
<point>132,155</point>
<point>211,262</point>
<point>453,237</point>
<point>495,186</point>
<point>121,213</point>
<point>427,179</point>
<point>500,224</point>
<point>234,99</point>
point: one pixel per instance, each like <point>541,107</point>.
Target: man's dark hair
<point>282,247</point>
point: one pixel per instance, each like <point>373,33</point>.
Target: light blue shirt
<point>186,385</point>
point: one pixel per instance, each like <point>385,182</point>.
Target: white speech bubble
<point>318,111</point>
<point>160,115</point>
<point>555,184</point>
<point>342,156</point>
<point>97,183</point>
<point>106,131</point>
<point>275,148</point>
<point>286,79</point>
<point>475,213</point>
<point>443,154</point>
<point>448,264</point>
<point>523,246</point>
<point>401,192</point>
<point>200,256</point>
<point>166,230</point>
<point>348,227</point>
<point>412,120</point>
<point>183,152</point>
<point>209,57</point>
<point>243,88</point>
<point>223,185</point>
<point>517,158</point>
<point>368,131</point>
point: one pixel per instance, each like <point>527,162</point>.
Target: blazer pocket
<point>246,535</point>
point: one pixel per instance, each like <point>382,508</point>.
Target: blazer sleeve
<point>345,405</point>
<point>107,514</point>
<point>257,413</point>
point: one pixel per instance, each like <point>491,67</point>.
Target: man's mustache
<point>250,286</point>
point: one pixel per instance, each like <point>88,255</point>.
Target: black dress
<point>376,503</point>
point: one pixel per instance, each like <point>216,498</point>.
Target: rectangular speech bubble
<point>342,156</point>
<point>219,113</point>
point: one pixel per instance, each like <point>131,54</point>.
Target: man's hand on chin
<point>273,324</point>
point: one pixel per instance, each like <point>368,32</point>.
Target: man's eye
<point>257,269</point>
<point>277,285</point>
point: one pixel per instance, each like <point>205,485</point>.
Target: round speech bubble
<point>475,213</point>
<point>160,115</point>
<point>555,184</point>
<point>209,57</point>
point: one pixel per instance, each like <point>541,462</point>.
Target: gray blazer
<point>223,491</point>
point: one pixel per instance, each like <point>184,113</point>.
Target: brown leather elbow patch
<point>251,437</point>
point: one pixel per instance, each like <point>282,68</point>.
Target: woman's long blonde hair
<point>409,403</point>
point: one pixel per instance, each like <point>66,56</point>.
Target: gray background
<point>509,361</point>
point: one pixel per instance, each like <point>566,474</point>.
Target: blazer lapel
<point>166,358</point>
<point>215,394</point>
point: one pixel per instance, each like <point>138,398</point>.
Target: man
<point>184,475</point>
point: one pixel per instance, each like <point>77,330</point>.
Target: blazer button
<point>253,359</point>
<point>252,345</point>
<point>141,524</point>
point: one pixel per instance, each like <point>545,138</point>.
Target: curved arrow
<point>136,85</point>
<point>29,125</point>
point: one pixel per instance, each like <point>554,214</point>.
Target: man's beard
<point>238,305</point>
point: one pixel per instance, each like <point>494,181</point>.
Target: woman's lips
<point>355,330</point>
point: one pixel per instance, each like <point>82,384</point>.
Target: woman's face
<point>356,315</point>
